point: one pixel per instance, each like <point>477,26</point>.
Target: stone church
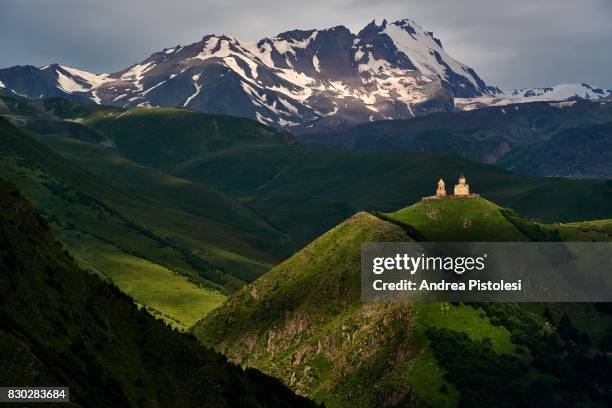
<point>461,190</point>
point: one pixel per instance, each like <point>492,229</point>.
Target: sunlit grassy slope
<point>468,219</point>
<point>162,291</point>
<point>243,242</point>
<point>235,237</point>
<point>596,230</point>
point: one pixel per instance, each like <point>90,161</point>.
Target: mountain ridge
<point>566,94</point>
<point>300,79</point>
<point>541,138</point>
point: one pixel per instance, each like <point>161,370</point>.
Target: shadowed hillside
<point>60,326</point>
<point>569,138</point>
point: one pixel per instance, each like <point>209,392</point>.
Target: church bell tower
<point>441,190</point>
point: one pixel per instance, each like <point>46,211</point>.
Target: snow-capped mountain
<point>557,93</point>
<point>303,80</point>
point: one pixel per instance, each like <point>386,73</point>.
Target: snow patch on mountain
<point>198,88</point>
<point>424,51</point>
<point>173,49</point>
<point>136,73</point>
<point>316,64</point>
<point>120,97</point>
<point>289,46</point>
<point>94,80</point>
<point>94,97</point>
<point>153,87</point>
<point>289,106</point>
<point>69,85</point>
<point>562,104</point>
<point>560,92</point>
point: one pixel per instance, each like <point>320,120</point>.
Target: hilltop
<point>60,326</point>
<point>304,322</point>
<point>467,219</point>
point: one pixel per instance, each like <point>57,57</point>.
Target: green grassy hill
<point>592,231</point>
<point>60,326</point>
<point>456,220</point>
<point>173,245</point>
<point>233,226</point>
<point>304,322</point>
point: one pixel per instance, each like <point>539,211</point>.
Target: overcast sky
<point>510,43</point>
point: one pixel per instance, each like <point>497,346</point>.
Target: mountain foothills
<point>60,326</point>
<point>177,247</point>
<point>569,138</point>
<point>305,190</point>
<point>304,322</point>
<point>301,79</point>
<point>283,194</point>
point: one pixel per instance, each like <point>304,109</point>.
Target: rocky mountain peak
<point>302,80</point>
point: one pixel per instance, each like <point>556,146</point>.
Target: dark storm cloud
<point>510,43</point>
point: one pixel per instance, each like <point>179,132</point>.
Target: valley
<point>275,179</point>
<point>142,234</point>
